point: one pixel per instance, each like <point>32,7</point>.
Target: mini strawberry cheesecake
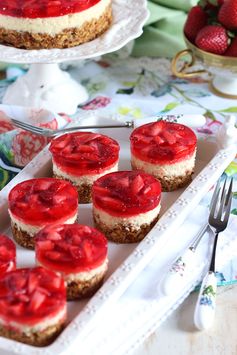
<point>82,158</point>
<point>36,203</point>
<point>32,305</point>
<point>126,205</point>
<point>7,255</point>
<point>34,24</point>
<point>165,150</point>
<point>77,252</point>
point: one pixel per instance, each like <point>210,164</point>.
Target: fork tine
<point>228,201</point>
<point>27,126</point>
<point>214,199</point>
<point>222,203</point>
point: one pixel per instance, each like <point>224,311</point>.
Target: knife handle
<point>206,304</point>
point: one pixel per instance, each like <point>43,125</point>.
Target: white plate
<point>128,20</point>
<point>126,261</point>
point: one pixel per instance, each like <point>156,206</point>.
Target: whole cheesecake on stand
<point>33,24</point>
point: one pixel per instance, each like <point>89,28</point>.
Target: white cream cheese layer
<point>28,329</point>
<point>84,179</point>
<point>135,221</point>
<point>86,276</point>
<point>31,229</point>
<point>176,169</point>
<point>80,276</point>
<point>54,25</point>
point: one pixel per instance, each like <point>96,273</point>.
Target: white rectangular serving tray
<point>125,261</point>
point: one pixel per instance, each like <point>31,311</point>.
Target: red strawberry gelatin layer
<point>44,8</point>
<point>43,201</point>
<point>71,248</point>
<point>7,255</point>
<point>28,296</point>
<point>126,193</point>
<point>163,142</point>
<point>84,153</point>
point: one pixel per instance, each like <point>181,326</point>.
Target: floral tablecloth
<point>136,88</point>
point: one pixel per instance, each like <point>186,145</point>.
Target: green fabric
<point>163,32</point>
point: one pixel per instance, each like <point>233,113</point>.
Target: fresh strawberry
<point>227,15</point>
<point>232,49</point>
<point>213,39</point>
<point>197,19</point>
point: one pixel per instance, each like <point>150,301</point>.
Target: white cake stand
<point>46,86</point>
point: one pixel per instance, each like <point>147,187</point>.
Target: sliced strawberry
<point>170,138</point>
<point>137,184</point>
<point>155,129</point>
<point>37,298</point>
<point>158,139</point>
<point>32,282</point>
<point>17,309</point>
<point>46,244</point>
<point>112,203</point>
<point>53,255</point>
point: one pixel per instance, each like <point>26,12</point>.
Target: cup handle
<point>181,72</point>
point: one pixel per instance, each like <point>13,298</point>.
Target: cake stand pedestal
<point>46,86</point>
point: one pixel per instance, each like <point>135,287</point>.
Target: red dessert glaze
<point>29,296</point>
<point>43,201</point>
<point>163,142</point>
<point>7,255</point>
<point>44,8</point>
<point>84,153</point>
<point>70,248</point>
<point>126,193</point>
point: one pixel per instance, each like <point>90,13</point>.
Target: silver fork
<point>218,219</point>
<point>52,133</point>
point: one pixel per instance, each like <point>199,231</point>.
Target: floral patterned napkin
<point>18,147</point>
<point>130,88</point>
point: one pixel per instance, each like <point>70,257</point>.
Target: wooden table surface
<point>178,336</point>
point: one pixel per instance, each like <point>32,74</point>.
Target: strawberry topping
<point>126,193</point>
<point>77,248</point>
<point>44,8</point>
<point>43,201</point>
<point>29,296</point>
<point>7,255</point>
<point>84,153</point>
<point>163,142</point>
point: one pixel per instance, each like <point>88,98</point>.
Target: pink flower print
<point>98,102</point>
<point>51,124</point>
<point>210,127</point>
<point>5,124</point>
<point>65,117</point>
<point>25,146</point>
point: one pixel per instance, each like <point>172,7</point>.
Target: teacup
<point>223,69</point>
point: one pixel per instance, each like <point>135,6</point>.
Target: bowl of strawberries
<point>210,33</point>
